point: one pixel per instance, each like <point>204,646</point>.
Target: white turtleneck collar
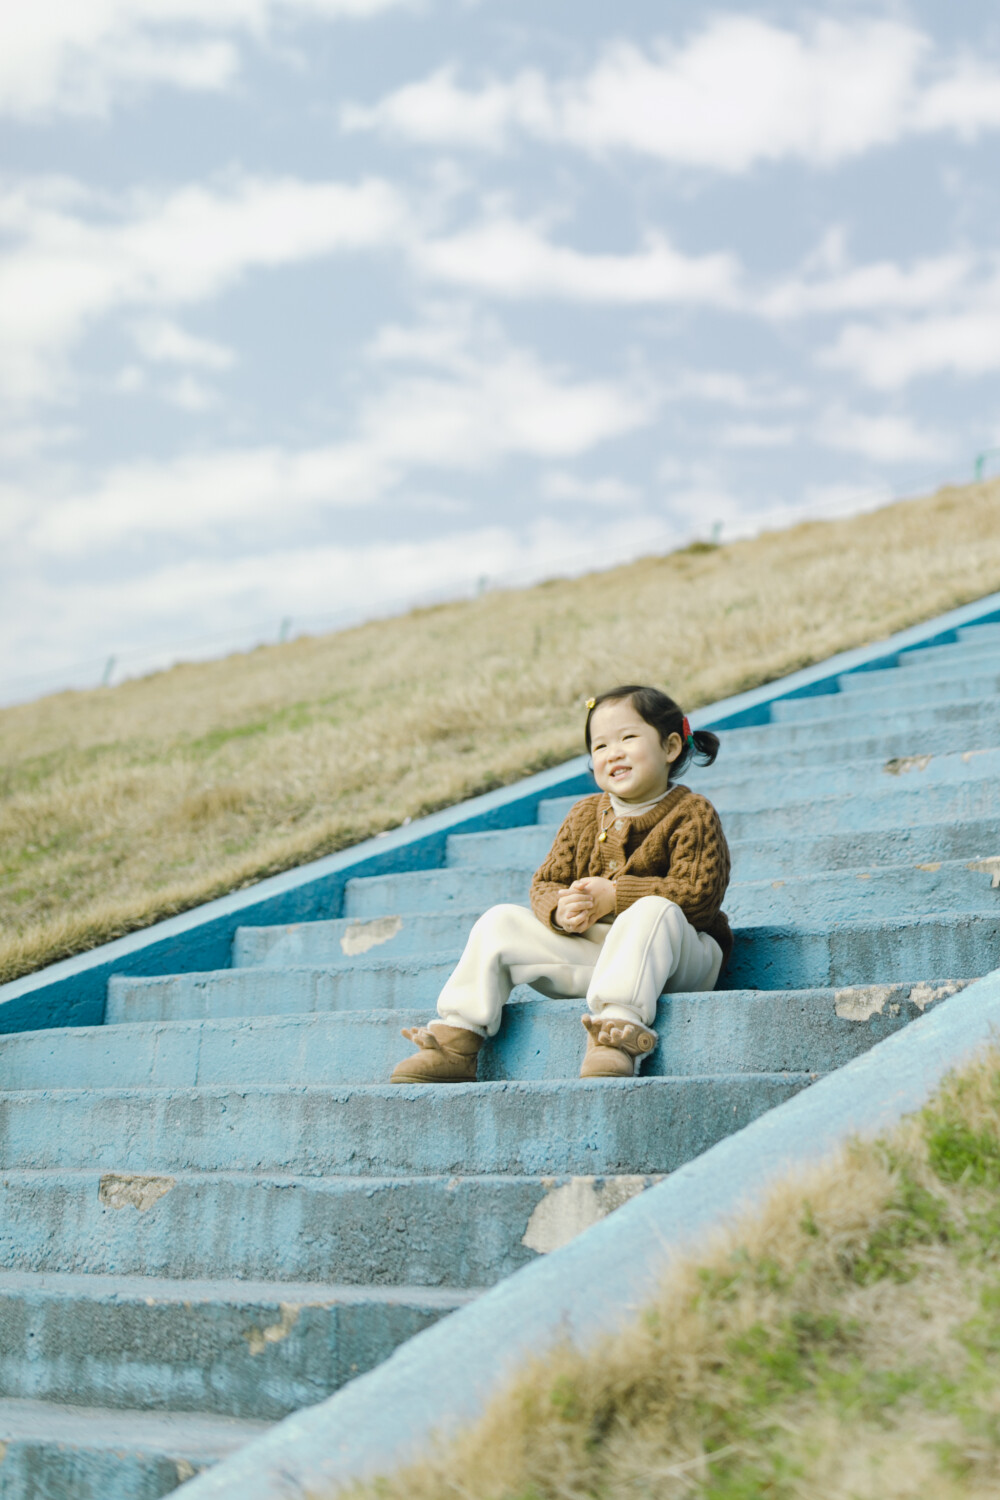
<point>635,809</point>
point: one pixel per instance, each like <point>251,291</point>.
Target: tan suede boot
<point>615,1047</point>
<point>448,1054</point>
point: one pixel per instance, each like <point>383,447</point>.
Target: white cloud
<point>191,394</point>
<point>165,342</point>
<point>511,259</point>
<point>602,490</point>
<point>478,402</point>
<point>74,56</point>
<point>196,494</point>
<point>502,256</point>
<point>966,100</point>
<point>129,379</point>
<point>739,91</point>
<point>728,388</point>
<point>757,435</point>
<point>887,438</point>
<point>890,354</point>
<point>435,111</point>
<point>882,285</point>
<point>69,268</point>
<point>29,440</point>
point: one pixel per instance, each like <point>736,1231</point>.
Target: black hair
<point>665,717</point>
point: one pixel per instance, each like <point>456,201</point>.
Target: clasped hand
<point>584,903</point>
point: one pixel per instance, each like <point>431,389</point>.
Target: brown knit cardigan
<point>676,850</point>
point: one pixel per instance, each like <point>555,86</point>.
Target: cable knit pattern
<point>676,850</point>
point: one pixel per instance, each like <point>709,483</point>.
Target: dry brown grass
<point>124,805</point>
<point>842,1344</point>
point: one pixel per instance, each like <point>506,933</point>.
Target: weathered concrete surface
<point>72,1452</point>
<point>445,1231</point>
<point>729,1031</point>
<point>959,652</point>
<point>829,895</point>
<point>443,1378</point>
<point>581,1126</point>
<point>980,685</point>
<point>374,982</point>
<point>895,803</point>
<point>770,858</point>
<point>236,1348</point>
<point>805,954</point>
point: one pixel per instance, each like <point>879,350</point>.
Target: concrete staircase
<point>215,1210</point>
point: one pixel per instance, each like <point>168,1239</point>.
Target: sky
<point>314,309</point>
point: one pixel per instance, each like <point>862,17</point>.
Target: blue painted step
<point>726,1031</point>
<point>879,702</point>
<point>242,1349</point>
<point>377,984</point>
<point>65,1451</point>
<point>887,803</point>
<point>579,1126</point>
<point>960,654</point>
<point>957,944</point>
<point>436,1231</point>
<point>925,886</point>
<point>763,858</point>
<point>929,728</point>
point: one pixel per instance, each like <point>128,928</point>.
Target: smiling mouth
<point>620,771</point>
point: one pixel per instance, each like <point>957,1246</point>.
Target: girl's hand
<point>573,911</point>
<point>601,894</point>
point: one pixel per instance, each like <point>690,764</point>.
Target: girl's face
<point>628,757</point>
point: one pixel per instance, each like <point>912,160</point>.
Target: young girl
<point>627,903</point>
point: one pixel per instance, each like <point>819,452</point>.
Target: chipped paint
<point>989,866</point>
<point>259,1338</point>
<point>361,936</point>
<point>901,764</point>
<point>863,875</point>
<point>862,1003</point>
<point>567,1211</point>
<point>922,995</point>
<point>3,1452</point>
<point>931,867</point>
<point>274,1333</point>
<point>185,1470</point>
<point>133,1189</point>
<point>776,885</point>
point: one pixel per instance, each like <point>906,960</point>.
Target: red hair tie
<point>686,731</point>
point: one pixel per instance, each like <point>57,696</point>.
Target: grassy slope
<point>120,806</point>
<point>841,1344</point>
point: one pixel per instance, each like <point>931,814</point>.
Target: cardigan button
<point>612,864</point>
<point>619,824</point>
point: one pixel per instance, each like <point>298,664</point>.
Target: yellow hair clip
<point>591,702</point>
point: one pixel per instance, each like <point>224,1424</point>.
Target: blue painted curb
<point>72,993</point>
<point>443,1377</point>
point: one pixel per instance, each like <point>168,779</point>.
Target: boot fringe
<point>625,1036</point>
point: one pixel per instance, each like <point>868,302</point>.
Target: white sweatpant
<point>622,967</point>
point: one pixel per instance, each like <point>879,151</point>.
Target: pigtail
<point>704,747</point>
